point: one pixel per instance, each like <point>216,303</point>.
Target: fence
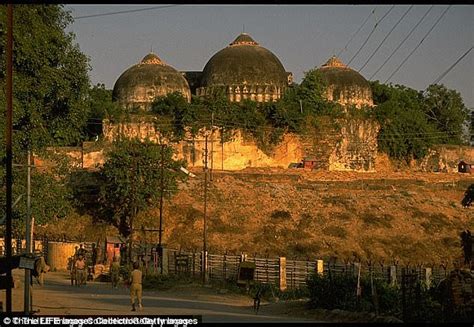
<point>284,273</point>
<point>278,271</point>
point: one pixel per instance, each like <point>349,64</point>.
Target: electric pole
<point>204,254</point>
<point>9,155</point>
<point>160,250</point>
<point>212,144</point>
<point>27,290</point>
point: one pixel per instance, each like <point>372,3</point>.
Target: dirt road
<point>58,297</point>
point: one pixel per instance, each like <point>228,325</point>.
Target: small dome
<point>245,63</point>
<point>345,85</point>
<point>151,77</point>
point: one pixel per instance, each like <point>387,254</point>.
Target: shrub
<point>281,214</point>
<point>381,220</point>
<point>335,231</point>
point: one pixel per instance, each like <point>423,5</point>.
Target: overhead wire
<point>358,30</point>
<point>451,67</point>
<point>403,41</point>
<point>418,45</point>
<point>385,38</point>
<point>370,34</point>
<point>123,12</point>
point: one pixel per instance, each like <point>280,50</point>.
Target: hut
<point>309,163</point>
<point>464,167</point>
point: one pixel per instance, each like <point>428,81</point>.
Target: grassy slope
<point>405,217</point>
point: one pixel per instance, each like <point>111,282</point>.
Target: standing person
<point>136,286</point>
<point>80,271</point>
<point>81,250</point>
<point>115,272</point>
<point>99,254</point>
<point>94,254</point>
<point>72,270</point>
<point>123,254</point>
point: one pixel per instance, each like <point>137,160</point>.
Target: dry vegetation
<point>413,217</point>
<point>409,217</point>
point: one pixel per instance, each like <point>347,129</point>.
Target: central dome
<point>245,67</point>
<point>138,86</point>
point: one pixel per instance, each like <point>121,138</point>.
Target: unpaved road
<point>58,297</point>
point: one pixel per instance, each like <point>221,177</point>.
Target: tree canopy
<point>131,180</point>
<point>412,121</point>
<point>50,80</point>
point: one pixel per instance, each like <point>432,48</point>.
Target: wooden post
<point>282,265</point>
<point>320,267</point>
<point>428,277</point>
<point>393,275</point>
<point>165,264</point>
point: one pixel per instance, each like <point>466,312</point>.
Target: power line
<point>452,66</point>
<point>123,12</point>
<point>385,38</point>
<point>370,34</point>
<point>432,27</point>
<point>403,41</point>
<point>353,35</point>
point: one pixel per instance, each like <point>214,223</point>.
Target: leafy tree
<point>50,77</point>
<point>132,180</point>
<point>50,84</point>
<point>405,132</point>
<point>446,111</point>
<point>101,106</point>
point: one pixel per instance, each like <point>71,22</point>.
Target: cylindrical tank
<point>59,253</point>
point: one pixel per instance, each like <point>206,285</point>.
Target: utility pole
<point>160,250</point>
<point>9,179</point>
<point>204,257</point>
<point>212,144</point>
<point>222,148</point>
<point>27,290</point>
<point>301,106</point>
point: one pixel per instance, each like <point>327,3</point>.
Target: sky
<point>303,37</point>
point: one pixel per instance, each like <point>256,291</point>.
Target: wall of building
<point>352,148</point>
<point>445,158</point>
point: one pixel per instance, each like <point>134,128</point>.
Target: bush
<point>281,214</point>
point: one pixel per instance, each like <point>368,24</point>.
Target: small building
<point>464,167</point>
<point>309,163</point>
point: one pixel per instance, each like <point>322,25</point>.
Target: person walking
<point>80,266</point>
<point>115,272</point>
<point>136,286</point>
<point>72,269</point>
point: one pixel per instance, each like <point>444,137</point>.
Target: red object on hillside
<point>464,167</point>
<point>309,163</point>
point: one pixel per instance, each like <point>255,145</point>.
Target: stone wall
<point>356,149</point>
<point>350,95</point>
<point>351,148</point>
<point>444,158</point>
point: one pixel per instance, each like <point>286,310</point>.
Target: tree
<point>446,111</point>
<point>50,84</point>
<point>405,132</point>
<point>101,106</point>
<point>50,77</point>
<point>131,180</point>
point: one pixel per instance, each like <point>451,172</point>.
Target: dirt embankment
<point>409,217</point>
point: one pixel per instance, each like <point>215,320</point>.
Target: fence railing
<point>295,273</point>
<point>279,271</point>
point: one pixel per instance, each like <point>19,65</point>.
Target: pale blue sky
<point>301,36</point>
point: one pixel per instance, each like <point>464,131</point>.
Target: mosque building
<point>344,85</point>
<point>138,86</point>
<point>244,70</point>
